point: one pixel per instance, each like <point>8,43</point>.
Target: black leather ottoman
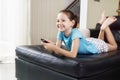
<point>36,63</point>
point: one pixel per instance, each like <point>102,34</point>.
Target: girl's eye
<point>57,20</point>
<point>63,20</point>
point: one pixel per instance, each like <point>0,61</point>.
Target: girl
<point>75,42</point>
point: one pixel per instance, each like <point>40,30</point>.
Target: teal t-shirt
<point>85,47</point>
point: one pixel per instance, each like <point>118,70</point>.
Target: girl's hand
<point>49,41</point>
<point>49,45</point>
<point>46,41</point>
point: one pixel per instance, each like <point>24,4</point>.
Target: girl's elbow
<point>73,55</point>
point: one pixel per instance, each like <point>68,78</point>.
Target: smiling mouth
<point>60,26</point>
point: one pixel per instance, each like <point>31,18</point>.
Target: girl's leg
<point>103,18</point>
<point>101,34</point>
<point>112,45</point>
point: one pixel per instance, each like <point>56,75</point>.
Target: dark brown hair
<point>71,16</point>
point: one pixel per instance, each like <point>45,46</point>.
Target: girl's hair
<point>71,16</point>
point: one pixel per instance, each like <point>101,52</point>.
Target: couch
<point>34,62</point>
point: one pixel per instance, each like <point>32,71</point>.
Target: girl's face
<point>63,22</point>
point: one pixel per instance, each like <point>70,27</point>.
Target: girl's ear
<point>73,22</point>
<point>78,25</point>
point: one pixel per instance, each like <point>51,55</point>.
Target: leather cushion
<point>83,66</point>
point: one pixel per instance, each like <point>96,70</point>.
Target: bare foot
<point>103,17</point>
<point>107,22</point>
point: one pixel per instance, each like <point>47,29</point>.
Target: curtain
<point>14,27</point>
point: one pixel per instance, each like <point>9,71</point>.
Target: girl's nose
<point>60,22</point>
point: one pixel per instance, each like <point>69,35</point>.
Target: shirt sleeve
<point>76,34</point>
<point>59,35</point>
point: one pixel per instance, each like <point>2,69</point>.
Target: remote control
<point>43,40</point>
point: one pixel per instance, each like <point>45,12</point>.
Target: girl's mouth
<point>60,26</point>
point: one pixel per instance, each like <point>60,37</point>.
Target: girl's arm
<point>72,53</point>
<point>58,43</point>
<point>58,50</point>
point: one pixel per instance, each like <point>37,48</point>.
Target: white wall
<point>95,9</point>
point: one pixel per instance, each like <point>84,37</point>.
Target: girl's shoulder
<point>76,33</point>
<point>76,30</point>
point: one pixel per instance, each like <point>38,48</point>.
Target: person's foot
<point>103,17</point>
<point>107,22</point>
